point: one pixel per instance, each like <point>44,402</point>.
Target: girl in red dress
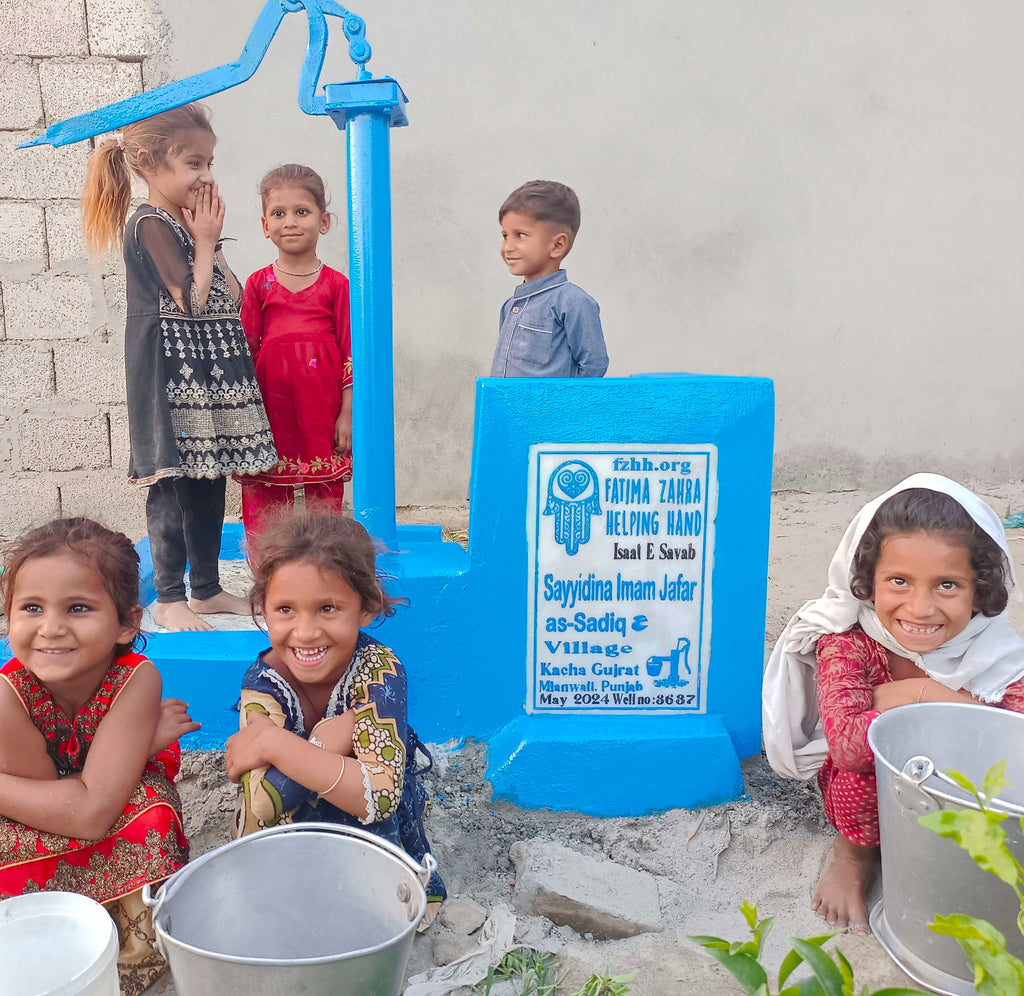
<point>295,313</point>
<point>915,611</point>
<point>87,755</point>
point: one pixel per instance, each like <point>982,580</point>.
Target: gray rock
<point>447,946</point>
<point>661,965</point>
<point>591,895</point>
<point>462,916</point>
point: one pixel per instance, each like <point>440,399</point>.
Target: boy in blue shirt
<point>549,327</point>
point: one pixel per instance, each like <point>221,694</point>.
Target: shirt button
<point>515,310</point>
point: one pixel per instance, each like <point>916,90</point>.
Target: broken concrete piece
<point>591,895</point>
<point>448,946</point>
<point>462,916</point>
<point>661,965</point>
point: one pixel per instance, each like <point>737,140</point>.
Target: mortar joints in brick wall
<point>88,47</point>
<point>46,240</point>
<point>39,83</point>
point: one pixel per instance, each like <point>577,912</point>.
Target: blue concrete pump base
<point>622,765</point>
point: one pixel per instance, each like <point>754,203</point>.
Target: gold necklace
<point>281,269</point>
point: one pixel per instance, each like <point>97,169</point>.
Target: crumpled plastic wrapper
<point>458,978</point>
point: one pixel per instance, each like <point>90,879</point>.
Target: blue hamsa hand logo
<point>572,499</point>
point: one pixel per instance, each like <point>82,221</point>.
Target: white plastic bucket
<point>57,943</point>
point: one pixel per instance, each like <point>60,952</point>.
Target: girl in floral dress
<point>323,733</point>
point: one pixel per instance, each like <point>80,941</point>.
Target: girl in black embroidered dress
<point>195,415</point>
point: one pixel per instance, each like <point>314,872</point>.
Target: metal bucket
<point>922,873</point>
<point>310,908</point>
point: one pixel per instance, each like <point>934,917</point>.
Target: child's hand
<point>343,434</point>
<point>252,746</point>
<point>207,220</point>
<point>172,723</point>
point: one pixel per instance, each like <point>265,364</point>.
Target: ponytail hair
<point>142,148</point>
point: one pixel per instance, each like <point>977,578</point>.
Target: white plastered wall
<point>827,194</point>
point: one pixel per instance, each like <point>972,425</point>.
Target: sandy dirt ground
<point>767,848</point>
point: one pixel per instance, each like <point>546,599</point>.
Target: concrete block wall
<point>63,423</point>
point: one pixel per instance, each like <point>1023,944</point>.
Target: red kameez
<point>147,842</point>
<point>301,344</point>
<point>850,666</point>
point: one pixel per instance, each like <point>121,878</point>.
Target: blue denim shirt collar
<point>529,287</point>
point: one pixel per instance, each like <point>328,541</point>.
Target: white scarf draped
<point>983,659</point>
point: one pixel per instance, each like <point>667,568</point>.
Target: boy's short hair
<point>545,200</point>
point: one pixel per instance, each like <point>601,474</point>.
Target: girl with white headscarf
<point>914,612</point>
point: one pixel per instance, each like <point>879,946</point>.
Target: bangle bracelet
<point>920,694</point>
<point>334,784</point>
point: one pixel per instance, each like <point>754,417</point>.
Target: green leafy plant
<point>831,976</point>
<point>997,972</point>
<point>534,970</point>
<point>606,985</point>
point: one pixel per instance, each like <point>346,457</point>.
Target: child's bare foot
<point>221,602</point>
<point>178,617</point>
<point>838,897</point>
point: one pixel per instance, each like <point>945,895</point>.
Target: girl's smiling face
<point>313,620</point>
<point>924,589</point>
<point>64,625</point>
<point>176,183</point>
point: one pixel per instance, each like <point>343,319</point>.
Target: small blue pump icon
<point>680,655</point>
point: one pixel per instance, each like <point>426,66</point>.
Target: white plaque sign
<point>621,550</point>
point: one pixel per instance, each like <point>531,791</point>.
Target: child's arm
<point>234,287</point>
<point>585,337</point>
<point>367,784</point>
<point>252,314</point>
<point>907,691</point>
<point>87,806</point>
<point>845,701</point>
<point>188,286</point>
<point>22,746</point>
<point>262,743</point>
<point>1013,697</point>
<point>265,795</point>
<point>335,734</point>
<point>343,333</point>
<point>343,425</point>
<point>205,224</point>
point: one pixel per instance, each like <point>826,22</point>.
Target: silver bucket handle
<point>421,871</point>
<point>153,902</point>
<point>921,767</point>
<point>427,868</point>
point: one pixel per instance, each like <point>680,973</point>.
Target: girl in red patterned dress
<point>87,755</point>
<point>295,313</point>
<point>915,611</point>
